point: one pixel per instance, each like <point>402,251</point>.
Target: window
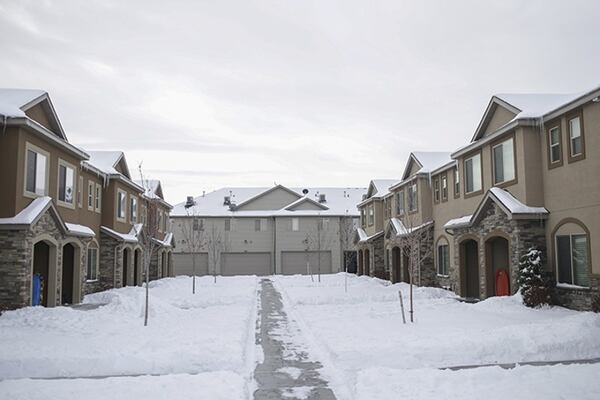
<point>363,220</point>
<point>121,196</point>
<point>133,210</point>
<point>166,221</point>
<point>473,174</point>
<point>576,139</point>
<point>260,225</point>
<point>443,253</point>
<point>92,264</point>
<point>295,224</point>
<point>91,189</point>
<point>400,202</point>
<point>554,145</point>
<point>504,161</point>
<point>371,215</point>
<point>66,183</point>
<point>36,179</point>
<point>323,223</point>
<point>159,219</point>
<point>444,187</point>
<point>456,183</point>
<point>572,259</point>
<point>198,224</point>
<point>79,192</point>
<point>98,197</point>
<point>412,197</point>
<point>436,190</point>
<point>227,225</point>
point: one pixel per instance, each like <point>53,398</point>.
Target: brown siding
<point>9,164</point>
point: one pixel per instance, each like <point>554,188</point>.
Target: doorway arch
<point>71,273</point>
<point>469,268</point>
<point>396,264</point>
<point>126,257</point>
<point>44,271</point>
<point>497,266</point>
<point>367,268</point>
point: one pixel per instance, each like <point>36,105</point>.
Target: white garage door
<point>245,264</point>
<point>294,262</point>
<point>182,264</point>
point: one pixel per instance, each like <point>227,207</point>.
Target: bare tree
<point>147,235</point>
<point>217,243</point>
<point>414,242</point>
<point>193,235</point>
<point>347,231</point>
<point>318,239</point>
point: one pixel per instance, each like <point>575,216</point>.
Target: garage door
<point>246,264</point>
<point>182,264</point>
<point>294,262</point>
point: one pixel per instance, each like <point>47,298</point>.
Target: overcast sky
<point>209,94</point>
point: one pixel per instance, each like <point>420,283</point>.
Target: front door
<point>471,268</point>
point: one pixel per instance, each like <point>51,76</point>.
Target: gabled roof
<point>427,161</point>
<point>361,236</point>
<point>339,202</point>
<point>510,205</point>
<point>15,102</point>
<point>293,206</point>
<point>400,230</point>
<point>107,161</point>
<point>131,237</point>
<point>31,214</point>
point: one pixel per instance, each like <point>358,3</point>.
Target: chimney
<point>227,200</point>
<point>322,198</point>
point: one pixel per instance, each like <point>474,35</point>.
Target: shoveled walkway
<point>287,372</point>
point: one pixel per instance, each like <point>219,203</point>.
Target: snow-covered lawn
<point>360,336</point>
<point>203,346</point>
<point>211,331</point>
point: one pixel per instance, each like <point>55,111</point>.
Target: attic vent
<point>227,200</point>
<point>305,191</point>
<point>322,198</point>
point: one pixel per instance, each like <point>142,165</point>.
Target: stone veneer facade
<point>17,260</point>
<point>521,236</point>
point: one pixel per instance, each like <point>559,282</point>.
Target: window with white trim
<point>436,190</point>
<point>133,210</point>
<point>473,174</point>
<point>371,212</point>
<point>443,259</point>
<point>444,185</point>
<point>323,223</point>
<point>456,182</point>
<point>572,259</point>
<point>90,193</point>
<point>554,143</point>
<point>400,202</point>
<point>121,204</point>
<point>80,192</point>
<point>504,161</point>
<point>98,199</point>
<point>92,264</point>
<point>412,197</point>
<point>295,224</point>
<point>575,137</point>
<point>66,183</point>
<point>36,174</point>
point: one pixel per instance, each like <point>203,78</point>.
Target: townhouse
<point>69,219</point>
<point>526,179</point>
<point>369,241</point>
<point>264,231</point>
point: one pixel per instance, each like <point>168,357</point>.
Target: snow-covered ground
<point>208,332</point>
<point>360,335</point>
<point>203,345</point>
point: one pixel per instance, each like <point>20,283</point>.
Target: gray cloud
<point>302,93</point>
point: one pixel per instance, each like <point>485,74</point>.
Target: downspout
<point>4,122</point>
<point>274,245</point>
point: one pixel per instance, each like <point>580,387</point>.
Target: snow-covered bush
<point>535,283</point>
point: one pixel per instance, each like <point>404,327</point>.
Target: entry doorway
<point>497,266</point>
<point>367,264</point>
<point>41,274</point>
<point>396,265</point>
<point>405,266</point>
<point>469,255</point>
<point>125,281</point>
<point>68,274</point>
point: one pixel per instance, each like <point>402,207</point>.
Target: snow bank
<point>220,385</point>
<point>492,383</point>
<point>187,333</point>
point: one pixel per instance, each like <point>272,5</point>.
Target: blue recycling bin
<point>36,290</point>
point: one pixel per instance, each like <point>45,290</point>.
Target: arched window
<point>442,256</point>
<point>572,247</point>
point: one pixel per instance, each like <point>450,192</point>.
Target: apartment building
<point>68,217</point>
<point>526,179</point>
<point>263,231</point>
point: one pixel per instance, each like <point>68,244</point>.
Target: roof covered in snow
<point>401,230</point>
<point>105,161</point>
<point>339,201</point>
<point>13,101</point>
<point>362,236</point>
<point>426,161</point>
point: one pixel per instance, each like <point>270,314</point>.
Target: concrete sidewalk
<point>287,371</point>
